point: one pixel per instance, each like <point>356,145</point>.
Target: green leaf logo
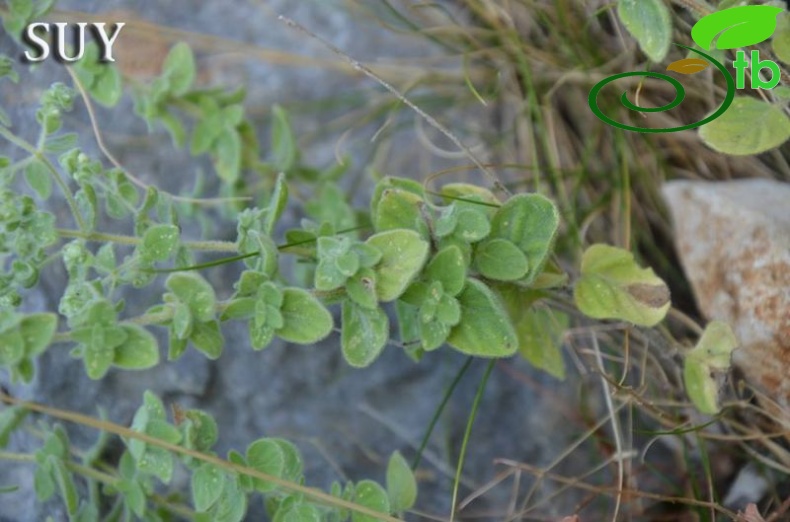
<point>736,27</point>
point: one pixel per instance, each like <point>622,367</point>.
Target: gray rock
<point>307,394</point>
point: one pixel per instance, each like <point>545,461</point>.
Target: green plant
<point>459,267</point>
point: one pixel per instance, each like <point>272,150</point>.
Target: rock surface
<point>734,243</point>
<point>306,394</point>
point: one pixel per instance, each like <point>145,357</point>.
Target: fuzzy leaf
<point>701,386</point>
<point>530,221</point>
<point>750,126</point>
<point>449,268</point>
<point>365,332</point>
<point>39,178</point>
<point>192,290</point>
<point>306,320</point>
<point>650,23</point>
<point>207,338</point>
<point>159,242</point>
<point>613,286</point>
<point>398,209</point>
<point>485,329</point>
<point>371,495</point>
<point>179,68</point>
<point>540,334</point>
<point>712,353</point>
<point>37,331</point>
<point>139,351</point>
<point>501,260</point>
<point>207,485</point>
<point>283,140</point>
<point>401,484</point>
<point>403,256</point>
<point>266,456</point>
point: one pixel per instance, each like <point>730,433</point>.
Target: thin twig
<point>495,182</point>
<point>117,164</point>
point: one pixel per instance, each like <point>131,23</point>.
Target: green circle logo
<point>680,94</point>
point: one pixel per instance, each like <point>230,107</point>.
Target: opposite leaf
<point>613,286</point>
<point>485,329</point>
<point>365,332</point>
<point>370,495</point>
<point>139,351</point>
<point>529,221</point>
<point>306,320</point>
<point>403,254</point>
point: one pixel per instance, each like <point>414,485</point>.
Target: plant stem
<point>7,134</point>
<point>439,411</point>
<point>467,434</point>
<point>121,431</point>
<point>210,246</point>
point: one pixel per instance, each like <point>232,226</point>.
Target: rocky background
<point>345,421</point>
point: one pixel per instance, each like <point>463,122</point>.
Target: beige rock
<point>733,239</point>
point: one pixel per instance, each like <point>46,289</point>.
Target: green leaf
<point>750,126</point>
<point>98,357</point>
<point>277,204</point>
<point>192,290</point>
<point>232,504</point>
<point>781,40</point>
<point>701,386</point>
<point>530,221</point>
<point>207,338</point>
<point>736,27</point>
<point>284,148</point>
<point>466,191</point>
<point>107,88</point>
<point>613,286</point>
<point>485,329</point>
<point>179,68</point>
<point>448,267</point>
<point>298,513</point>
<point>370,495</point>
<point>401,484</point>
<point>11,418</point>
<point>65,482</point>
<point>501,260</point>
<point>207,485</point>
<point>397,209</point>
<point>540,332</point>
<point>201,431</point>
<point>12,347</point>
<point>266,456</point>
<point>650,23</point>
<point>365,332</point>
<point>292,460</point>
<point>715,346</point>
<point>306,320</point>
<point>362,289</point>
<point>39,178</point>
<point>473,224</point>
<point>403,256</point>
<point>159,242</point>
<point>139,351</point>
<point>227,148</point>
